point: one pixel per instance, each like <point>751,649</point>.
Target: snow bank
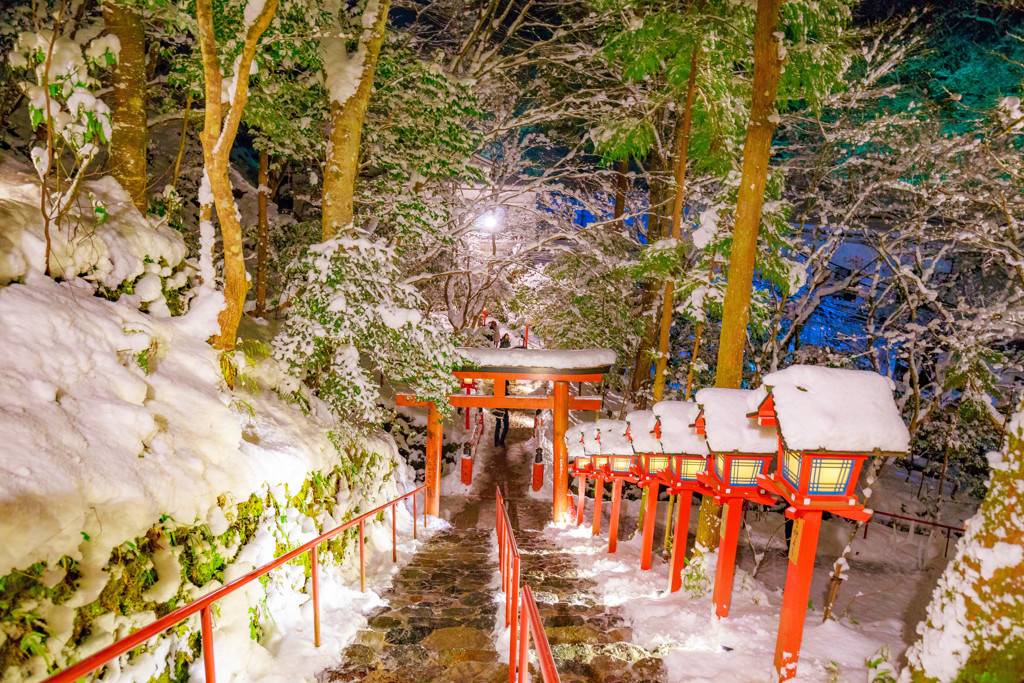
<point>112,417</point>
<point>831,409</point>
<point>694,644</point>
<point>677,435</point>
<point>728,428</point>
<point>553,359</point>
<point>110,253</point>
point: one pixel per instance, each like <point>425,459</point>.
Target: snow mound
<point>552,359</point>
<point>120,249</point>
<point>677,434</point>
<point>830,409</point>
<point>613,437</point>
<point>641,431</point>
<point>112,417</point>
<point>728,428</point>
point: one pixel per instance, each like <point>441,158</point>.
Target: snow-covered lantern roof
<point>579,460</point>
<point>829,421</point>
<point>739,446</point>
<point>687,449</point>
<point>614,439</point>
<point>646,438</point>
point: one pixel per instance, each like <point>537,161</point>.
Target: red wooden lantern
<point>829,422</point>
<point>740,450</point>
<point>617,455</point>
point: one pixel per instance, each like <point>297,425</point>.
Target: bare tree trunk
<point>682,149</point>
<point>342,166</point>
<point>218,137</point>
<point>262,234</point>
<point>129,116</point>
<point>182,142</point>
<point>621,185</point>
<point>756,154</point>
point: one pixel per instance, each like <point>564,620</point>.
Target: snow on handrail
<point>204,603</point>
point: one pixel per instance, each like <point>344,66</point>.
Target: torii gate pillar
<point>560,470</point>
<point>434,427</point>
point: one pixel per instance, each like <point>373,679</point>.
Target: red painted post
<point>314,563</point>
<point>650,517</point>
<point>732,515</point>
<point>613,523</point>
<point>512,602</point>
<point>675,579</point>
<point>798,587</point>
<point>433,502</point>
<point>524,652</point>
<point>466,465</point>
<point>581,490</point>
<point>362,560</point>
<point>598,502</point>
<point>207,631</point>
<point>394,535</point>
<point>560,464</point>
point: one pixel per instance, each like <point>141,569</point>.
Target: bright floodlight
<point>489,221</point>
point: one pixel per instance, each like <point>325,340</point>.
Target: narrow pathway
<point>441,610</point>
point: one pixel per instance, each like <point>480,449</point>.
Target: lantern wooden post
<point>581,488</point>
<point>433,456</point>
<point>613,524</point>
<point>802,551</point>
<point>732,515</point>
<point>650,517</point>
<point>682,530</point>
<point>560,456</point>
<point>598,502</point>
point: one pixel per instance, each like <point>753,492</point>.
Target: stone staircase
<point>438,623</point>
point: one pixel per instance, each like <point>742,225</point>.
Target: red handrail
<point>203,604</point>
<point>509,565</point>
<point>532,625</point>
<point>949,529</point>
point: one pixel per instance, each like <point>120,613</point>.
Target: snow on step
<point>677,433</point>
<point>553,359</point>
<point>728,428</point>
<point>830,409</point>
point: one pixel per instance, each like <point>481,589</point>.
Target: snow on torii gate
<point>556,366</point>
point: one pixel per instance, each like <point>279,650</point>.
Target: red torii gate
<point>502,365</point>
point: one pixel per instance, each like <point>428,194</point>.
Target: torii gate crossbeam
<point>559,402</point>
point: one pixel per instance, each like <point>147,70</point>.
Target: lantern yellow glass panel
<point>600,461</point>
<point>687,468</point>
<point>744,471</point>
<point>830,476</point>
<point>720,466</point>
<point>621,464</point>
<point>656,463</point>
<point>791,468</point>
<point>582,462</point>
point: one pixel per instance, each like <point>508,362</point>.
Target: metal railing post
<point>207,631</point>
<point>394,534</point>
<point>414,521</point>
<point>362,560</point>
<point>314,561</point>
